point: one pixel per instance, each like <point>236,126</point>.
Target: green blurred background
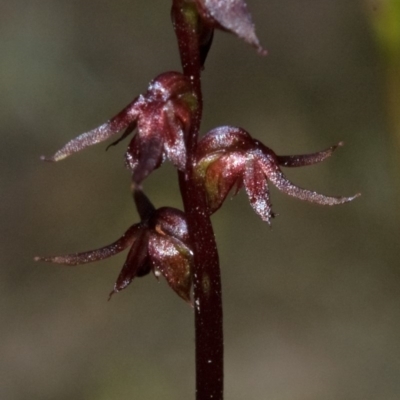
<point>312,306</point>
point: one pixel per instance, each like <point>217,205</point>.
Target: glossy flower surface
<point>231,16</point>
<point>162,117</point>
<point>229,156</point>
<point>159,243</point>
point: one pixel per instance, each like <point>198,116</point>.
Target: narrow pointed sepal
<point>99,254</point>
<point>307,159</point>
<point>257,190</point>
<point>121,121</point>
<point>278,179</point>
<point>135,262</point>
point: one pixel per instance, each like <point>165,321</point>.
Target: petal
<point>135,263</point>
<point>145,152</point>
<point>220,177</point>
<point>171,222</point>
<point>172,132</point>
<point>183,110</point>
<point>173,261</point>
<point>223,139</point>
<point>307,159</point>
<point>121,121</point>
<point>256,186</point>
<point>232,16</point>
<point>100,254</point>
<point>275,175</point>
<point>167,86</point>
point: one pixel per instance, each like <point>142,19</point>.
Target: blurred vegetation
<point>385,18</point>
<point>311,305</point>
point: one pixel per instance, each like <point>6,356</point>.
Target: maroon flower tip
<point>111,294</point>
<point>232,16</point>
<point>307,159</point>
<point>229,156</point>
<point>121,121</point>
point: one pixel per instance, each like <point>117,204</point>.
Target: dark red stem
<point>206,270</point>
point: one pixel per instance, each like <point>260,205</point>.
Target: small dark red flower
<point>231,16</point>
<point>158,243</point>
<point>162,117</point>
<point>229,156</point>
